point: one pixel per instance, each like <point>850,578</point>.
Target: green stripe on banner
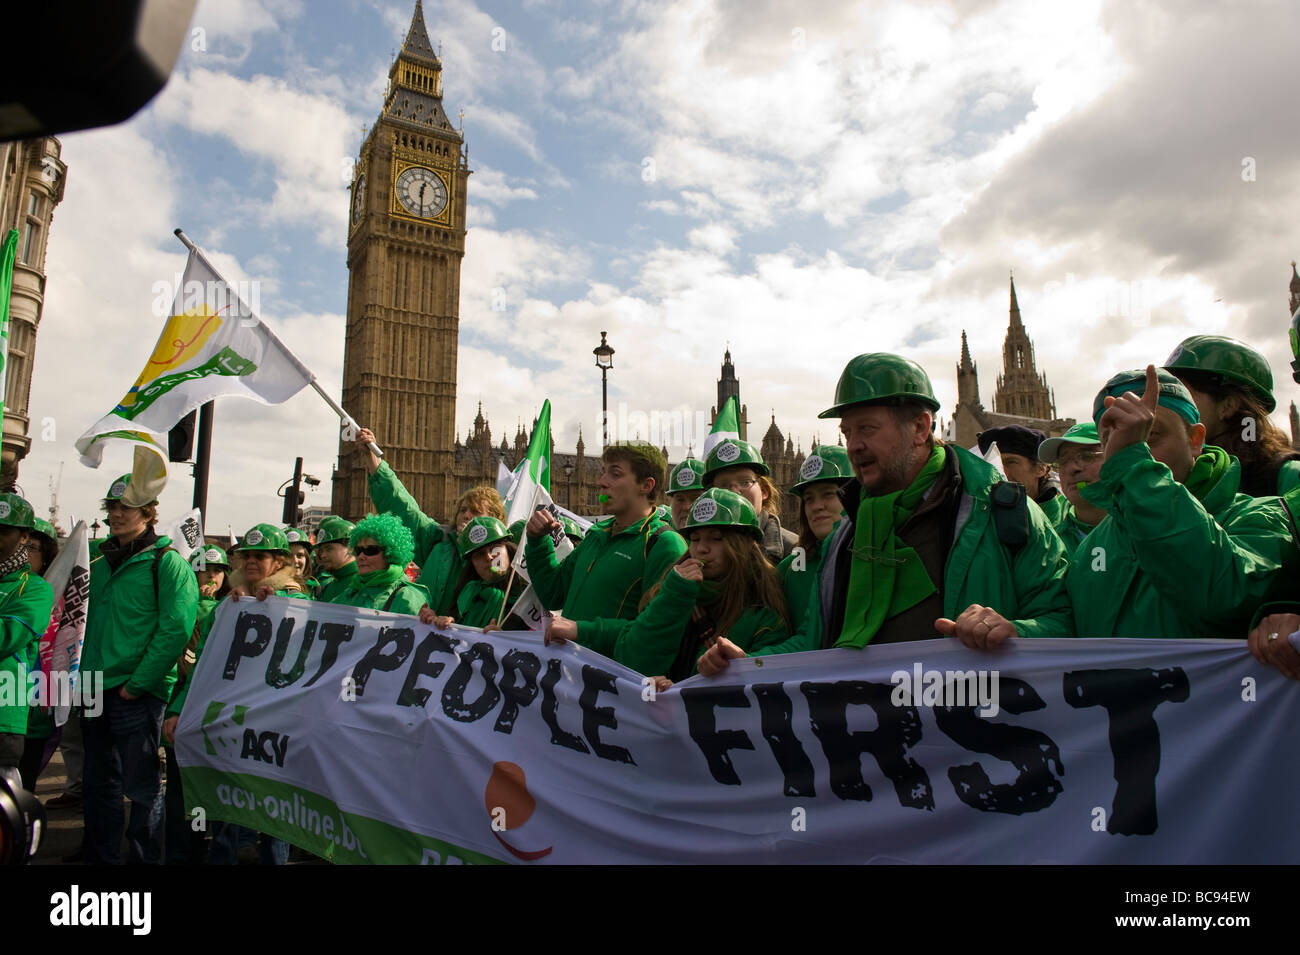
<point>312,822</point>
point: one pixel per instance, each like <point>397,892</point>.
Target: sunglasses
<point>373,550</point>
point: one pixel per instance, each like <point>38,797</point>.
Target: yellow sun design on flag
<point>182,338</point>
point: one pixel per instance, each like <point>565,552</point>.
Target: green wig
<point>389,533</point>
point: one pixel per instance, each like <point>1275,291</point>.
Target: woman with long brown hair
<point>1232,386</point>
<point>726,576</point>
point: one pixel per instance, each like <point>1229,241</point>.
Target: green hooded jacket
<point>337,582</point>
<point>651,643</point>
<point>435,544</point>
<point>1164,564</point>
<point>25,604</point>
<point>1026,586</point>
<point>133,634</point>
<point>800,584</point>
<point>479,602</point>
<point>600,584</point>
<point>372,590</point>
<point>1071,530</point>
<point>1055,507</point>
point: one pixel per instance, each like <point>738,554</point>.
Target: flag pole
<point>343,415</point>
<point>510,581</point>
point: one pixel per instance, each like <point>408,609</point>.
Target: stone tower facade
<point>33,178</point>
<point>1022,395</point>
<point>406,240</point>
<point>728,387</point>
<point>1020,389</point>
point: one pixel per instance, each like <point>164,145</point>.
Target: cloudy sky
<point>804,181</point>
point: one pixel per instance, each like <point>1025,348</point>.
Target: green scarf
<point>887,577</point>
<point>383,579</point>
<point>1208,470</point>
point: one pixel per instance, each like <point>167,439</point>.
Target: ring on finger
<point>1272,637</point>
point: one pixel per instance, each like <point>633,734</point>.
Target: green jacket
<point>25,604</point>
<point>479,602</point>
<point>1055,507</point>
<point>1027,587</point>
<point>800,584</point>
<point>435,544</point>
<point>133,634</point>
<point>651,643</point>
<point>600,584</point>
<point>1164,564</point>
<point>336,582</point>
<point>408,598</point>
<point>1071,530</point>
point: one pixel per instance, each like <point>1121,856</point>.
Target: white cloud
<point>308,139</point>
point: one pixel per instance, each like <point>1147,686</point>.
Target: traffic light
<point>180,439</point>
<point>294,498</point>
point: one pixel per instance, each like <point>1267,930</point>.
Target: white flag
<point>212,345</point>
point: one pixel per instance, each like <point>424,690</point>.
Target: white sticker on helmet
<point>685,476</point>
<point>704,510</point>
<point>728,452</point>
<point>477,534</point>
<point>812,467</point>
<point>254,538</point>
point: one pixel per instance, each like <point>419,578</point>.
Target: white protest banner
<point>368,737</point>
<point>59,649</point>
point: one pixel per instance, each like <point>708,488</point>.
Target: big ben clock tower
<point>406,239</point>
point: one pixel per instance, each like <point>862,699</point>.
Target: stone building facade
<point>33,181</point>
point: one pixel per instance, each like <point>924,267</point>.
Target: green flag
<point>531,484</point>
<point>727,425</point>
<point>7,254</point>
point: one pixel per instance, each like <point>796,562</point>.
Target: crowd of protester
<point>1170,513</point>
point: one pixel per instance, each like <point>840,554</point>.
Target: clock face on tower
<point>421,192</point>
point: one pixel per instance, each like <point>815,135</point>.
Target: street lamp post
<point>604,361</point>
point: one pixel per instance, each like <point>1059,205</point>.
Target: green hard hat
<point>828,462</point>
<point>881,378</point>
<point>265,537</point>
<point>209,556</point>
<point>731,453</point>
<point>1085,432</point>
<point>16,512</point>
<point>1227,359</point>
<point>45,529</point>
<point>333,529</point>
<point>118,488</point>
<point>295,536</point>
<point>571,528</point>
<point>717,507</point>
<point>480,532</point>
<point>687,476</point>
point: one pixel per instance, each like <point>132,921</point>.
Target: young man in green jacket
<point>143,604</point>
<point>920,549</point>
<point>599,585</point>
<point>1181,552</point>
<point>435,544</point>
<point>25,604</point>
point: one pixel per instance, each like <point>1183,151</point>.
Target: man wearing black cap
<point>1018,446</point>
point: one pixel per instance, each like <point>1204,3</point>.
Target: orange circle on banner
<point>507,790</point>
